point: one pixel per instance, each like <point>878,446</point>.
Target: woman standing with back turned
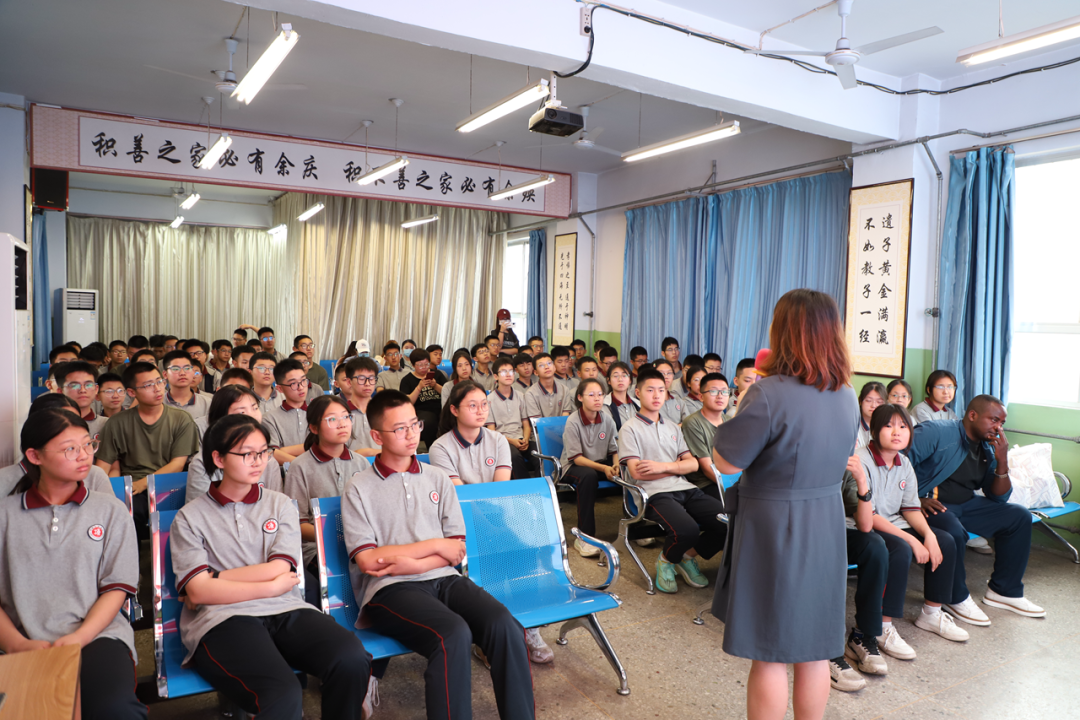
<point>782,588</point>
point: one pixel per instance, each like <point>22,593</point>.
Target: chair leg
<point>1053,533</point>
<point>624,536</point>
<point>700,619</point>
<point>590,623</point>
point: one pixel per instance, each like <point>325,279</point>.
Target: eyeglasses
<point>267,338</point>
<point>668,375</point>
<point>336,421</point>
<point>305,363</point>
<point>544,365</point>
<point>944,387</point>
<point>306,346</point>
<point>255,456</point>
<point>363,379</point>
<point>263,368</point>
<point>405,430</point>
<point>718,393</point>
<point>593,395</point>
<point>74,386</point>
<point>180,368</point>
<point>196,353</point>
<point>151,385</point>
<point>620,376</point>
<point>473,407</point>
<point>393,355</point>
<point>198,374</point>
<point>670,348</point>
<point>114,391</point>
<point>506,373</point>
<point>295,384</point>
<point>899,396</point>
<point>421,366</point>
<point>75,451</point>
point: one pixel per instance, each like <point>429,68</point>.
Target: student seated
<point>263,365</point>
<point>425,393</point>
<point>619,403</point>
<point>239,337</point>
<point>463,368</point>
<point>605,358</point>
<point>265,338</point>
<point>199,352</point>
<point>547,398</point>
<point>590,454</point>
<point>316,373</point>
<point>587,368</point>
<point>237,376</point>
<point>564,368</point>
<point>699,429</point>
<point>95,356</point>
<point>241,357</point>
<point>655,453</point>
<point>435,353</point>
<point>494,345</point>
<point>110,395</point>
<point>871,397</point>
<point>60,354</point>
<point>357,389</point>
<point>900,394</point>
<point>673,409</point>
<point>231,400</point>
<point>147,439</point>
<point>390,379</point>
<point>180,374</point>
<point>172,344</point>
<point>577,350</point>
<point>220,361</point>
<point>691,384</point>
<point>638,357</point>
<point>407,347</point>
<point>136,343</point>
<point>287,421</point>
<point>526,373</point>
<point>669,350</point>
<point>117,356</point>
<point>403,572</point>
<point>481,372</point>
<point>745,376</point>
<point>245,624</point>
<point>507,416</point>
<point>466,450</point>
<point>78,381</point>
<point>953,459</point>
<point>598,346</point>
<point>535,345</point>
<point>713,363</point>
<point>678,385</point>
<point>940,391</point>
<point>70,561</point>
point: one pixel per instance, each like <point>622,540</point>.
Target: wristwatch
<point>865,498</point>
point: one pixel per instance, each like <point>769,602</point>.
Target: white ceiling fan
<point>844,57</point>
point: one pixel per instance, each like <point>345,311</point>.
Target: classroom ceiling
<point>965,22</point>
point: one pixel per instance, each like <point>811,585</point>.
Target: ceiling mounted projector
<point>556,121</point>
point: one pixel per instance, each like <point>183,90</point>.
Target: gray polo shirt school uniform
<point>275,399</point>
<point>488,380</point>
<point>287,424</point>
<point>594,440</point>
<point>523,386</point>
<point>471,462</point>
<point>541,403</point>
<point>56,560</point>
<point>660,441</point>
<point>314,475</point>
<point>926,411</point>
<point>96,423</point>
<point>197,407</point>
<point>506,412</point>
<point>198,481</point>
<point>97,480</point>
<point>570,382</point>
<point>894,487</point>
<point>391,379</point>
<point>361,428</point>
<point>313,392</point>
<point>382,507</point>
<point>215,533</point>
<point>691,405</point>
<point>674,410</point>
<point>625,410</point>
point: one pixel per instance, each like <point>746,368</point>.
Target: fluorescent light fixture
<point>177,222</point>
<point>697,138</point>
<point>215,152</point>
<point>420,221</point>
<point>522,98</point>
<point>310,212</point>
<point>1040,38</point>
<point>190,201</point>
<point>383,170</point>
<point>266,65</point>
<point>538,181</point>
<point>278,230</point>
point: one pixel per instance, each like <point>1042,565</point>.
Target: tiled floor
<point>1015,669</point>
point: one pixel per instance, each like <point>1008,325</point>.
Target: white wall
<point>14,170</point>
<point>163,209</point>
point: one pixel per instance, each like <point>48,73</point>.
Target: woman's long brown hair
<point>807,341</point>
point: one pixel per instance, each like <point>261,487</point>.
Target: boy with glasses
<point>547,398</point>
<point>699,429</point>
<point>78,381</point>
<point>358,387</point>
<point>507,416</point>
<point>170,343</point>
<point>313,390</point>
<point>287,421</point>
<point>239,337</point>
<point>262,371</point>
<point>180,374</point>
<point>147,439</point>
<point>535,346</point>
<point>118,356</point>
<point>638,357</point>
<point>110,396</point>
<point>199,351</point>
<point>316,373</point>
<point>391,379</point>
<point>220,361</point>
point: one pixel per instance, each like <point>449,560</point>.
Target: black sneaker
<point>863,651</point>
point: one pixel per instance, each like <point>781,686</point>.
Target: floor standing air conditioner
<point>78,315</point>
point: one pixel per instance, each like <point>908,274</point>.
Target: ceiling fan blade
<point>892,42</point>
<point>174,72</point>
<point>813,53</point>
<point>846,73</point>
<point>286,86</point>
<point>607,150</point>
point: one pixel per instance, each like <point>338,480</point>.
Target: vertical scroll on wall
<point>879,247</point>
<point>562,297</point>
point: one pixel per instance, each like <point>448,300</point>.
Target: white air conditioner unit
<point>78,314</point>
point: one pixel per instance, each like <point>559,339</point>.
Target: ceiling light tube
<point>524,97</point>
<point>1040,38</point>
<point>215,152</point>
<point>310,212</point>
<point>538,181</point>
<point>278,230</point>
<point>382,170</point>
<point>177,222</point>
<point>266,65</point>
<point>697,138</point>
<point>419,221</point>
<point>190,201</point>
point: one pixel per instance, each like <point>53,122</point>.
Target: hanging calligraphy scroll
<point>562,296</point>
<point>879,247</point>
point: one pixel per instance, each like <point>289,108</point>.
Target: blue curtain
<point>536,311</point>
<point>43,326</point>
<point>708,271</point>
<point>976,275</point>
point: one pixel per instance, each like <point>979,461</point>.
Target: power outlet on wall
<point>586,20</point>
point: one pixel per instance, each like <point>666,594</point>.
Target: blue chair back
<point>446,367</point>
<point>424,458</point>
<point>166,491</point>
<point>37,391</point>
<point>730,480</point>
<point>549,441</point>
<point>38,377</point>
<point>121,487</point>
<point>328,366</point>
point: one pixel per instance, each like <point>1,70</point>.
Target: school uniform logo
<point>672,436</point>
<point>434,497</point>
<point>490,461</point>
<point>602,436</point>
<point>270,526</point>
<point>96,533</point>
<point>903,484</point>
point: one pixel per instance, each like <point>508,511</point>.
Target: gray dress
<point>782,588</point>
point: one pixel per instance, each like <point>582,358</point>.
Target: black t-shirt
<point>430,400</point>
<point>510,341</point>
<point>962,484</point>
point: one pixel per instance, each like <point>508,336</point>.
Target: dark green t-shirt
<point>144,449</point>
<point>699,434</point>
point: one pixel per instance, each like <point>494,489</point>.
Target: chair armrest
<point>554,462</point>
<point>612,562</point>
<point>1065,483</point>
<point>642,497</point>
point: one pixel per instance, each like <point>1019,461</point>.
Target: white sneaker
<point>942,624</point>
<point>980,545</point>
<point>371,700</point>
<point>893,645</point>
<point>968,611</point>
<point>843,678</point>
<point>645,542</point>
<point>539,652</point>
<point>1020,605</point>
<point>863,651</point>
<point>586,550</point>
